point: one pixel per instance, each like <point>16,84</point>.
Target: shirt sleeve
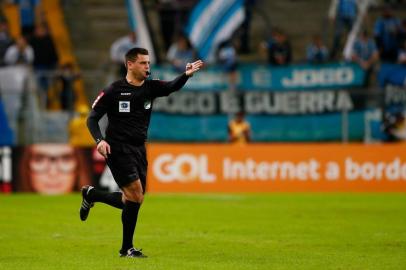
<point>99,108</point>
<point>164,88</point>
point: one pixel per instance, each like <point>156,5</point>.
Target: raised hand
<point>193,67</point>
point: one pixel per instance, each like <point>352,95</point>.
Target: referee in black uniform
<point>128,105</point>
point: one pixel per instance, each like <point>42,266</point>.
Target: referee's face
<point>139,67</point>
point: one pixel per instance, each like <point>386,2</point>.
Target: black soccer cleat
<point>133,253</point>
<point>86,204</point>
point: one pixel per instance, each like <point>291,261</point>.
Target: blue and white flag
<point>212,22</point>
<point>138,24</point>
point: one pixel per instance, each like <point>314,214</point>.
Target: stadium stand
<point>29,119</point>
<point>91,53</point>
<point>92,44</point>
<point>55,18</point>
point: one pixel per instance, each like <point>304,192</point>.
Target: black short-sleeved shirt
<point>128,109</point>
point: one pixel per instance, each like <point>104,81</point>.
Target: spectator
<point>45,59</point>
<point>227,59</point>
<point>65,80</point>
<point>173,15</point>
<point>79,134</point>
<point>245,27</point>
<point>278,49</point>
<point>119,48</point>
<point>343,13</point>
<point>20,53</point>
<point>29,15</point>
<point>402,34</point>
<point>239,130</point>
<point>180,53</point>
<point>365,53</point>
<point>402,54</point>
<point>5,41</point>
<point>317,52</point>
<point>387,30</point>
<point>394,127</point>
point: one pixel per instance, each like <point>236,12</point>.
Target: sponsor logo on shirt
<point>125,94</point>
<point>124,106</point>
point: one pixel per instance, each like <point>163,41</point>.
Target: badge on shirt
<point>124,106</point>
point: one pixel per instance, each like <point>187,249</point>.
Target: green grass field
<point>224,231</point>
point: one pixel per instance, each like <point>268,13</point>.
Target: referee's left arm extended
<point>167,87</point>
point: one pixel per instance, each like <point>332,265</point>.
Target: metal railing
<point>32,123</point>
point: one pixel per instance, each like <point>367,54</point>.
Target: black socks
<point>129,219</point>
<point>111,198</point>
<point>129,214</point>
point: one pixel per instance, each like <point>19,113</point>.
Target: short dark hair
<point>132,54</point>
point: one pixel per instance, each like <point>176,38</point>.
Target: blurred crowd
<point>385,42</point>
<point>35,48</point>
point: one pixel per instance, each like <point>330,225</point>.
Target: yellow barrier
<point>12,15</point>
<point>53,15</point>
<point>56,22</point>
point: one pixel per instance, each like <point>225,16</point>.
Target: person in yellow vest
<point>239,130</point>
<point>79,135</point>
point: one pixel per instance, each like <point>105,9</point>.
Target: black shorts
<point>128,163</point>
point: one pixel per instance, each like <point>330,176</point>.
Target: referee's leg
<point>133,192</point>
<point>133,198</point>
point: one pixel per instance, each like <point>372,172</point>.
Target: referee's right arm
<point>99,108</point>
<point>93,125</point>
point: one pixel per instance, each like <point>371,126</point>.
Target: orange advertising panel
<point>276,167</point>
